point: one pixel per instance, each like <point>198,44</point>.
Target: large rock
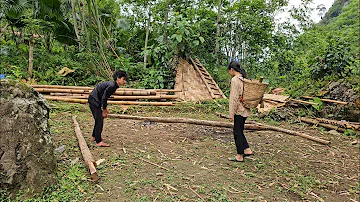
<point>26,151</point>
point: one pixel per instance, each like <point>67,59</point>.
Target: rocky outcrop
<point>26,150</point>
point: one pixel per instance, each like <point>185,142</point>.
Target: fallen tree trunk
<point>185,120</point>
<point>318,123</point>
<point>327,100</point>
<point>83,101</point>
<point>88,158</point>
<point>250,125</point>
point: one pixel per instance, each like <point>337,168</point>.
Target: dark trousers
<point>99,121</point>
<point>239,137</point>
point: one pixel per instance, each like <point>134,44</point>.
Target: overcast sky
<point>314,14</point>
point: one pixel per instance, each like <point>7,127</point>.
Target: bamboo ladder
<point>210,83</point>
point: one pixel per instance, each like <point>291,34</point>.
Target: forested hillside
<point>92,38</point>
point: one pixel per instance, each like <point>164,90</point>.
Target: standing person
<point>238,113</point>
<point>98,98</point>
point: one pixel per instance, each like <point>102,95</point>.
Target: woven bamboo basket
<point>253,92</point>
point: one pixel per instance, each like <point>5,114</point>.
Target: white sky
<point>314,14</point>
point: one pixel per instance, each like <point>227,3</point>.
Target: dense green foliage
<point>109,35</point>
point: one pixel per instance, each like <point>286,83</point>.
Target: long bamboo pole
<point>327,100</point>
<point>304,102</point>
<point>80,91</point>
<point>83,101</point>
<point>91,88</point>
<point>249,125</point>
<point>87,156</point>
<point>325,125</point>
<point>149,97</point>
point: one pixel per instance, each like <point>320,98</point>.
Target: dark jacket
<point>101,93</point>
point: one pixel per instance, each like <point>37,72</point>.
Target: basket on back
<point>253,92</point>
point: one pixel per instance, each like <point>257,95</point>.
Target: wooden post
<point>88,158</point>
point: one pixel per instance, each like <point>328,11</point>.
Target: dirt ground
<point>180,162</point>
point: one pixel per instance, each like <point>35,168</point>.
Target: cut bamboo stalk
<point>155,97</point>
<point>83,101</point>
<point>87,156</point>
<point>91,88</point>
<point>344,124</point>
<point>325,125</point>
<point>203,79</point>
<point>55,90</point>
<point>304,102</point>
<point>325,142</point>
<point>251,125</point>
<point>115,97</point>
<point>80,91</point>
<point>61,87</point>
<point>327,100</point>
<point>68,94</point>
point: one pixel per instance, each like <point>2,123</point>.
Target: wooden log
<point>251,125</point>
<point>327,100</point>
<point>83,101</point>
<point>304,102</point>
<point>87,156</point>
<point>203,79</point>
<point>318,123</point>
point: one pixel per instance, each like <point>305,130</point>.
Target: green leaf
<point>196,42</point>
<point>179,38</point>
<point>201,39</point>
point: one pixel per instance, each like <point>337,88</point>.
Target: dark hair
<point>236,66</point>
<point>119,74</point>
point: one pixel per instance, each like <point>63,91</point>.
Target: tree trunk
<point>217,46</point>
<point>99,26</point>
<point>147,36</point>
<point>89,35</point>
<point>31,58</point>
<point>250,125</point>
<point>73,9</point>
<point>81,6</point>
<point>165,21</point>
<point>244,54</point>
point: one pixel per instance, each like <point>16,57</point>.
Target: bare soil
<point>180,162</point>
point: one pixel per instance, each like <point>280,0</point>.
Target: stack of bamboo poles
<point>122,96</point>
